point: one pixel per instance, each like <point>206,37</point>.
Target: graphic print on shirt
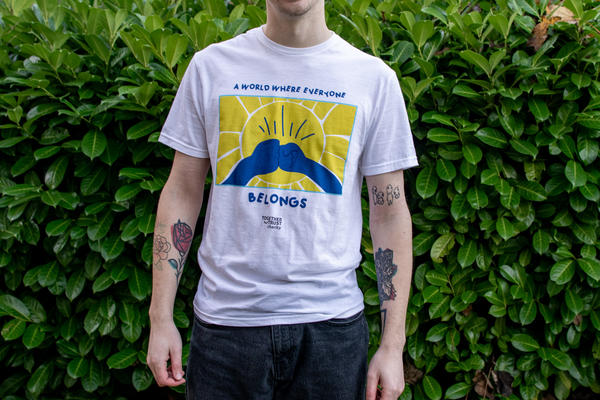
<point>283,143</point>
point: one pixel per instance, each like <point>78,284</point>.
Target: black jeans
<point>321,360</point>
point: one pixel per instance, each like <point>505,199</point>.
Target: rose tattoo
<point>181,234</point>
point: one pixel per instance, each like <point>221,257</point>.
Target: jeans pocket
<point>345,321</point>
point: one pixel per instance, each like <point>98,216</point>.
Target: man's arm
<point>178,209</point>
<point>391,231</point>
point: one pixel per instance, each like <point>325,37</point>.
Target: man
<point>289,117</point>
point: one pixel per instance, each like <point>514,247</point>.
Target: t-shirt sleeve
<point>389,143</point>
<point>184,127</point>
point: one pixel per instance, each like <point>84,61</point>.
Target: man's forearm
<point>173,233</point>
<point>392,244</point>
<point>178,208</point>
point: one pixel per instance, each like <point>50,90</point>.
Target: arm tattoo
<point>181,234</point>
<point>385,269</point>
<point>391,193</point>
<point>160,250</point>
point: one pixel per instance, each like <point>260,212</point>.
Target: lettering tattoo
<point>181,235</point>
<point>385,270</point>
<point>160,250</point>
<point>391,193</point>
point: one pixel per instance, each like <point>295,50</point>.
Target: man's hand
<point>386,371</point>
<point>165,345</point>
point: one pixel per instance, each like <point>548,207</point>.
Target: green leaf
<point>588,150</point>
<point>477,198</point>
<point>99,47</point>
<point>11,142</point>
<point>421,243</point>
<point>524,147</point>
<point>141,378</point>
<point>477,60</point>
<point>465,91</point>
<point>436,333</point>
<point>501,24</point>
<point>427,182</point>
<point>142,129</point>
<point>176,46</point>
<point>460,207</point>
<point>467,253</point>
<point>112,247</point>
<point>40,378</point>
<point>591,267</point>
<point>57,227</point>
<point>575,173</point>
<point>402,51</point>
<point>528,313</point>
<point>132,332</point>
<point>94,377</point>
<point>145,223</point>
<point>369,270</point>
<point>371,297</point>
<point>539,109</point>
<point>541,242</point>
<point>127,192</point>
<point>524,342</point>
<point>10,305</point>
<point>567,145</point>
<point>441,247</point>
<point>421,31</point>
<point>78,367</point>
<point>13,329</point>
<point>445,170</point>
<point>48,274</point>
<point>472,153</point>
<point>584,232</point>
<point>505,228</point>
<point>559,359</point>
<point>458,391</point>
<point>432,388</point>
<point>442,135</point>
<point>140,283</point>
<point>75,284</point>
<point>122,359</point>
<point>573,301</point>
<point>93,144</point>
<point>22,165</point>
<point>374,34</point>
<point>532,191</point>
<point>91,183</point>
<point>492,137</point>
<point>134,173</point>
<point>103,282</point>
<point>562,271</point>
<point>436,278</point>
<point>56,172</point>
<point>102,227</point>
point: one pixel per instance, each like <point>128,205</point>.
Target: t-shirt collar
<point>279,48</point>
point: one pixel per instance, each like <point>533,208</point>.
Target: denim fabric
<point>321,360</point>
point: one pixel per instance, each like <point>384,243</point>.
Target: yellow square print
<point>283,143</point>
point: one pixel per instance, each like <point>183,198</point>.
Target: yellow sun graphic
<point>320,130</point>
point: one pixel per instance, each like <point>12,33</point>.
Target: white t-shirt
<point>290,133</point>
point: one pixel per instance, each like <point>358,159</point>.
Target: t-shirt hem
<point>175,144</point>
<point>404,163</point>
<point>274,320</point>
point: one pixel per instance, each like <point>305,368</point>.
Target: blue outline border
<point>289,98</point>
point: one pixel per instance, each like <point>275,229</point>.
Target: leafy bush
<point>505,202</point>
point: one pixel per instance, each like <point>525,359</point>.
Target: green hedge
<point>505,202</point>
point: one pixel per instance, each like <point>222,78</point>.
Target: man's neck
<point>306,30</point>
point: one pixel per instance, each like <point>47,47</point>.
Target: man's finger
<point>176,368</point>
<point>372,380</point>
<point>160,373</point>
